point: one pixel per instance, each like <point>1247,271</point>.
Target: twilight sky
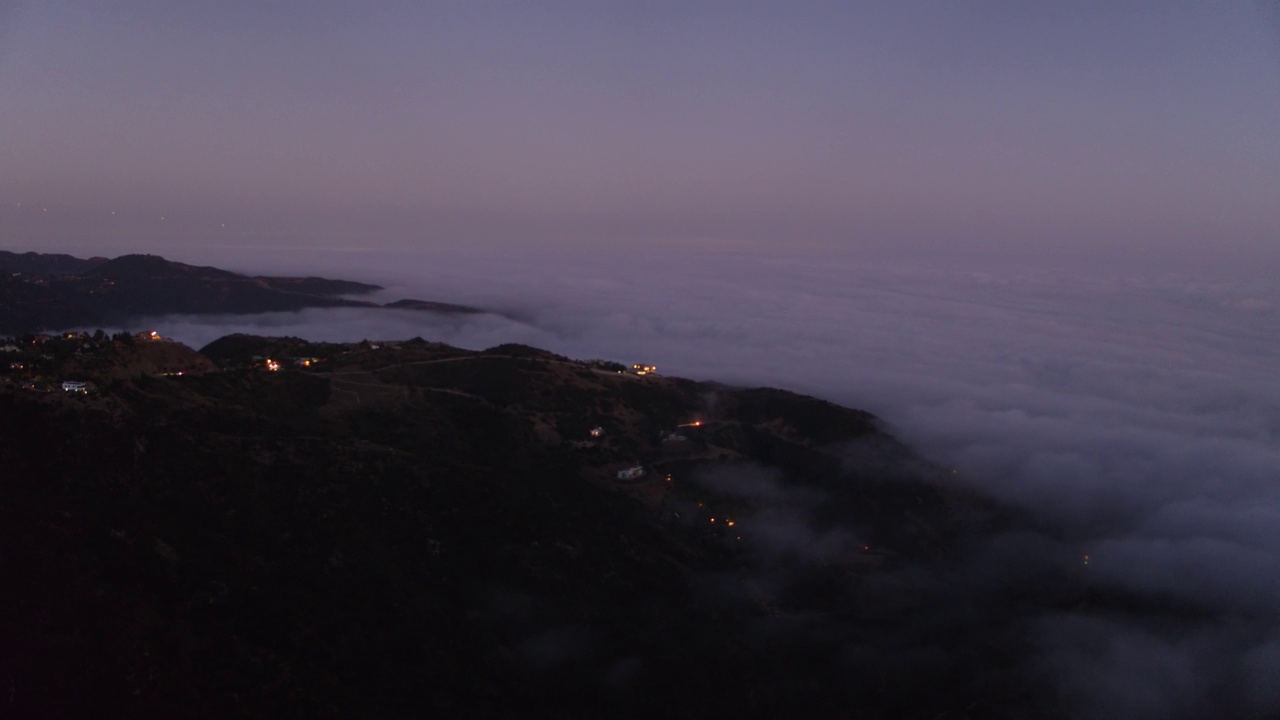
<point>1103,131</point>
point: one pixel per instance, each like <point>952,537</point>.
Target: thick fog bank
<point>1141,415</point>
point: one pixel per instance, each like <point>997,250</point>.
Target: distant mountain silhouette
<point>46,264</point>
<point>154,267</point>
<point>39,292</point>
<point>410,304</point>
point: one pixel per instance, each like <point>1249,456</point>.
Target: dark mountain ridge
<point>46,263</point>
<point>153,267</point>
<point>41,292</point>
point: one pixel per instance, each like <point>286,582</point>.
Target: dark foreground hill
<point>414,530</point>
<point>39,292</point>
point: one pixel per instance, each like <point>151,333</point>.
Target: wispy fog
<point>1141,415</point>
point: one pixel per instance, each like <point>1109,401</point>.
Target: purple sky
<point>1088,130</point>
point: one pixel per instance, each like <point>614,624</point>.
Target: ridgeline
<point>43,291</point>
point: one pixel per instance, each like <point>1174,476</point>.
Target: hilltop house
<point>641,369</point>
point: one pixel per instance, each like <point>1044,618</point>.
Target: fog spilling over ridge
<point>1140,416</point>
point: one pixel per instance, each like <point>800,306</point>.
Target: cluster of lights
<point>723,522</point>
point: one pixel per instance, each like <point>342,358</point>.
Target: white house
<point>631,473</point>
<point>75,386</point>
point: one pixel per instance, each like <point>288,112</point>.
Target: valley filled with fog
<point>1138,415</point>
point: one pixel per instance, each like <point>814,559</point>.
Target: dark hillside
<point>44,292</point>
<point>411,529</point>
